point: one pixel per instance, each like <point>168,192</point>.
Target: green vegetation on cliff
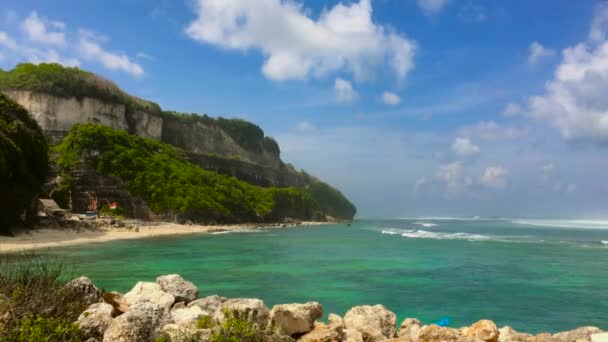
<point>23,162</point>
<point>331,200</point>
<point>55,79</point>
<point>158,173</point>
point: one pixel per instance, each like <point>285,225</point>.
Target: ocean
<point>534,275</point>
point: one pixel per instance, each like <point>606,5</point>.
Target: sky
<point>409,107</point>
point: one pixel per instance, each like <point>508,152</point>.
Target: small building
<point>48,207</point>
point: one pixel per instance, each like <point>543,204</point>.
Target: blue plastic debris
<point>444,322</point>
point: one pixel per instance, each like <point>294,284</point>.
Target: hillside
<point>23,161</point>
<point>60,98</point>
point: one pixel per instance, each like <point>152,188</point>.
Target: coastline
<point>43,238</point>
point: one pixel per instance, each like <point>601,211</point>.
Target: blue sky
<point>411,107</point>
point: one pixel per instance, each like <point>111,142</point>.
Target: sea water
<point>534,275</point>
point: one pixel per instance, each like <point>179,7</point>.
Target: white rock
<point>94,321</point>
<point>252,308</point>
<point>187,316</point>
<point>84,287</point>
<point>179,333</point>
<point>601,337</point>
<point>181,289</point>
<point>335,319</point>
<point>373,322</point>
<point>209,304</point>
<point>296,318</point>
<point>141,323</point>
<point>149,292</point>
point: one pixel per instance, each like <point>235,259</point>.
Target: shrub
<point>240,327</point>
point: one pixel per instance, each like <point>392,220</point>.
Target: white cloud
<point>431,7</point>
<point>512,109</point>
<point>344,91</point>
<point>451,175</point>
<point>538,52</point>
<point>296,46</point>
<point>494,177</point>
<point>464,147</point>
<point>305,126</point>
<point>391,99</point>
<point>548,168</point>
<point>575,99</point>
<point>37,56</point>
<point>36,30</point>
<point>492,131</point>
<point>91,50</point>
<point>7,41</point>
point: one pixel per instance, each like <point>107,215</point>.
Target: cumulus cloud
<point>575,99</point>
<point>41,30</point>
<point>390,99</point>
<point>45,41</point>
<point>305,126</point>
<point>296,45</point>
<point>90,48</point>
<point>494,177</point>
<point>464,147</point>
<point>492,131</point>
<point>344,91</point>
<point>431,7</point>
<point>451,174</point>
<point>536,52</point>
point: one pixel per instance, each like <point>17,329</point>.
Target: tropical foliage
<point>23,161</point>
<point>158,173</point>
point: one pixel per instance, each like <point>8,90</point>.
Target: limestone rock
<point>94,321</point>
<point>187,316</point>
<point>410,328</point>
<point>179,305</point>
<point>435,333</point>
<point>149,292</point>
<point>179,333</point>
<point>373,322</point>
<point>118,302</point>
<point>351,335</point>
<point>599,337</point>
<point>324,333</point>
<point>181,289</point>
<point>543,337</point>
<point>296,318</point>
<point>209,304</point>
<point>582,333</point>
<point>253,308</point>
<point>83,286</point>
<point>140,324</point>
<point>483,330</point>
<point>335,319</point>
<point>508,334</point>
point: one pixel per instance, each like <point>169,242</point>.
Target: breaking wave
<point>425,224</point>
<point>423,234</point>
<point>237,231</point>
<point>605,242</point>
<point>590,224</point>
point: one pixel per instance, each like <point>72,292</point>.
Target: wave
<point>426,224</point>
<point>423,234</point>
<point>589,224</point>
<point>605,242</point>
<point>237,231</point>
<point>397,231</point>
<point>442,218</point>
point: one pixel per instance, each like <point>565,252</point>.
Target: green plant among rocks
<point>244,327</point>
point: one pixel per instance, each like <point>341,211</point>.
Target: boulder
<point>373,322</point>
<point>208,304</point>
<point>182,290</point>
<point>296,318</point>
<point>351,335</point>
<point>335,319</point>
<point>149,292</point>
<point>543,337</point>
<point>187,316</point>
<point>84,287</point>
<point>179,333</point>
<point>410,328</point>
<point>582,333</point>
<point>118,302</point>
<point>140,324</point>
<point>600,337</point>
<point>324,333</point>
<point>252,308</point>
<point>435,333</point>
<point>508,334</point>
<point>483,330</point>
<point>94,321</point>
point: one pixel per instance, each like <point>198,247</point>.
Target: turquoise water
<point>532,277</point>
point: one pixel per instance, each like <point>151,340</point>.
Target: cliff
<point>59,98</point>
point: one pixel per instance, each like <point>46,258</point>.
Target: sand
<point>49,238</point>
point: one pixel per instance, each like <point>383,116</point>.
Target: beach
<point>51,237</point>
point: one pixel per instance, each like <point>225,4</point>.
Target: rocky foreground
<point>170,310</point>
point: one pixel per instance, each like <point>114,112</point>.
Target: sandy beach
<point>49,238</point>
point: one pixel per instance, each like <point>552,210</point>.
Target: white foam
<point>589,224</point>
<point>426,224</point>
<point>237,231</point>
<point>441,218</point>
<point>397,231</point>
<point>423,234</point>
<point>605,242</point>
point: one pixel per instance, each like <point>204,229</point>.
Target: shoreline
<point>43,238</point>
